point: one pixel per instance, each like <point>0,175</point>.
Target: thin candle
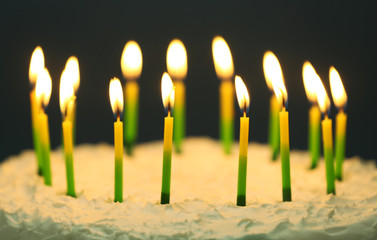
<point>176,62</point>
<point>244,103</point>
<point>67,103</point>
<point>167,92</point>
<point>36,67</point>
<point>311,78</point>
<point>273,133</point>
<point>223,62</point>
<point>116,100</point>
<point>43,93</point>
<point>340,99</point>
<point>324,106</point>
<point>131,64</point>
<point>280,91</point>
<point>72,66</point>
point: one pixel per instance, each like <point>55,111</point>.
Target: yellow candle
<point>116,99</point>
<point>273,72</point>
<point>324,105</point>
<point>244,102</point>
<point>67,107</point>
<point>176,63</point>
<point>227,114</point>
<point>341,123</point>
<point>285,155</point>
<point>328,149</point>
<point>223,62</point>
<point>118,146</point>
<point>311,80</point>
<point>45,145</point>
<point>340,100</point>
<point>131,64</point>
<point>43,93</point>
<point>168,93</point>
<point>36,67</point>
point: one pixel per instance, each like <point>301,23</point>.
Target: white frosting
<point>203,195</point>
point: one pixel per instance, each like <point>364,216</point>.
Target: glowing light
<point>176,59</point>
<point>323,99</point>
<point>66,91</point>
<point>131,61</point>
<point>167,92</point>
<point>310,78</point>
<point>242,94</point>
<point>337,89</point>
<point>37,64</point>
<point>116,97</point>
<point>72,67</point>
<point>274,76</point>
<point>43,88</point>
<point>222,58</point>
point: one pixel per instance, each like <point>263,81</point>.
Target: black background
<point>339,33</point>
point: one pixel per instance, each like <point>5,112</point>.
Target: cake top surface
<point>203,195</point>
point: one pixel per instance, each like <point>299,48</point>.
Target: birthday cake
<point>203,196</point>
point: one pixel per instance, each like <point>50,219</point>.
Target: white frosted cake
<point>203,195</point>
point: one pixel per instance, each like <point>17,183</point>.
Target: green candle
<point>176,63</point>
<point>314,135</point>
<point>179,115</point>
<point>273,137</point>
<point>131,115</point>
<point>36,67</point>
<point>167,90</point>
<point>43,93</point>
<point>340,100</point>
<point>223,61</point>
<point>68,150</point>
<point>328,152</point>
<point>131,63</point>
<point>116,100</point>
<point>244,102</point>
<point>285,153</point>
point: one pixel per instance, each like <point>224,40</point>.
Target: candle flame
<point>116,97</point>
<point>66,90</point>
<point>242,94</point>
<point>337,89</point>
<point>167,92</point>
<point>43,88</point>
<point>37,64</point>
<point>176,59</point>
<point>311,79</point>
<point>274,77</point>
<point>322,97</point>
<point>131,61</point>
<point>72,66</point>
<point>222,58</point>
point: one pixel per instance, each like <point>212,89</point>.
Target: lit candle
<point>116,100</point>
<point>282,97</point>
<point>167,92</point>
<point>324,106</point>
<point>273,137</point>
<point>176,61</point>
<point>43,93</point>
<point>67,103</point>
<point>37,63</point>
<point>340,100</point>
<point>311,78</point>
<point>131,64</point>
<point>72,66</point>
<point>223,62</point>
<point>244,103</point>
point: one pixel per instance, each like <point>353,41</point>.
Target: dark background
<point>339,33</point>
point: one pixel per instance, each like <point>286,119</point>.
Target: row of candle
<point>173,95</point>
